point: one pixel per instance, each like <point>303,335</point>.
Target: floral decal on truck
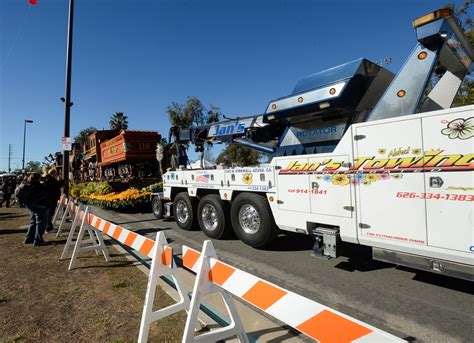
<point>247,178</point>
<point>460,128</point>
<point>357,178</point>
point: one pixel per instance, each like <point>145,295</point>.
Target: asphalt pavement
<point>414,305</point>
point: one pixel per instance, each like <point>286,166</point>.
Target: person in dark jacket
<point>36,202</point>
<point>53,193</point>
<point>7,190</point>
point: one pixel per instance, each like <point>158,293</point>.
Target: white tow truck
<point>357,155</point>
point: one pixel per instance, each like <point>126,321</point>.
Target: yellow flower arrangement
<point>129,194</point>
<point>340,180</point>
<point>372,177</point>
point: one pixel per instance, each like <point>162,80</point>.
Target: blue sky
<point>137,56</point>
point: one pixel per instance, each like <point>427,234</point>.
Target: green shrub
<point>76,189</point>
<point>102,188</point>
<point>88,189</point>
<point>153,187</point>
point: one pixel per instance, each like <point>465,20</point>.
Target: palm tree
<point>118,121</point>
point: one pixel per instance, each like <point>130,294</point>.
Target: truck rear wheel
<point>157,207</point>
<point>184,209</point>
<point>212,216</point>
<point>252,220</point>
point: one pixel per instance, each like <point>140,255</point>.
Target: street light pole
<point>24,141</point>
<point>67,100</point>
<point>9,157</point>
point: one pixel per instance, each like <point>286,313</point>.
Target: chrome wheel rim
<point>249,219</point>
<point>156,207</point>
<point>182,212</point>
<point>209,217</point>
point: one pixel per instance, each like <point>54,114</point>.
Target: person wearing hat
<point>53,193</point>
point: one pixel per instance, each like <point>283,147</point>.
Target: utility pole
<point>67,100</point>
<point>24,143</point>
<point>9,157</point>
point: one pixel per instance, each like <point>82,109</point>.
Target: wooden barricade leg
<point>203,286</point>
<point>79,247</point>
<point>59,208</point>
<point>67,212</point>
<point>72,231</point>
<point>96,236</point>
<point>162,264</point>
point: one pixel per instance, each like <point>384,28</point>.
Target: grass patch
<point>18,337</point>
<point>120,284</point>
<point>3,298</point>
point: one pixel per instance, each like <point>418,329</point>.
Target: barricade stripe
<point>263,295</point>
<point>130,239</point>
<point>94,220</point>
<point>138,242</point>
<point>102,224</point>
<point>117,232</point>
<point>167,256</point>
<point>98,222</point>
<point>240,282</point>
<point>220,272</point>
<point>123,235</point>
<point>190,258</point>
<point>112,229</point>
<point>330,327</point>
<point>294,309</point>
<point>106,227</point>
<point>146,247</point>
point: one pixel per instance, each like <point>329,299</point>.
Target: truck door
<point>391,207</point>
<point>449,180</point>
<point>293,184</point>
<point>331,191</point>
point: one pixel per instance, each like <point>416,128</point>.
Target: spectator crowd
<point>39,194</point>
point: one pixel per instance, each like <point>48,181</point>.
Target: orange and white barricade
<point>162,264</point>
<point>203,286</point>
<point>72,235</point>
<point>60,208</point>
<point>69,212</point>
<point>95,241</point>
<point>307,316</point>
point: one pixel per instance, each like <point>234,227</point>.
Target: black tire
<point>213,202</point>
<point>256,205</point>
<point>184,211</point>
<point>157,207</point>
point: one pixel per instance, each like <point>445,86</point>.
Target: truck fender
<point>157,194</point>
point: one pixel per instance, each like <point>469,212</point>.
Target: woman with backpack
<point>34,195</point>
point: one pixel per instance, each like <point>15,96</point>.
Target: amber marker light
<point>332,91</point>
<point>300,99</point>
<point>422,55</point>
<point>274,106</point>
<point>401,93</point>
<point>271,199</point>
<point>430,17</point>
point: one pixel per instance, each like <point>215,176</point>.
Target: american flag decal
<point>202,178</point>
